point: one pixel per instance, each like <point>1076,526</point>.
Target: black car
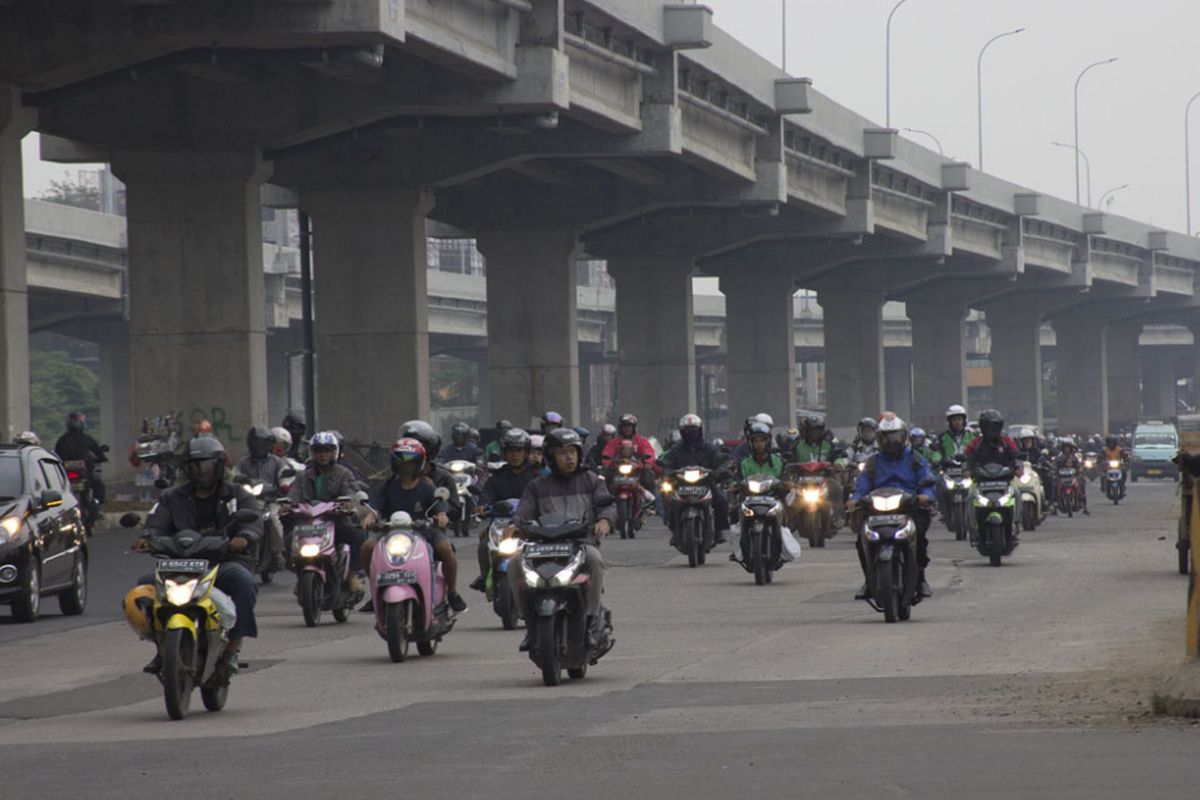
<point>43,544</point>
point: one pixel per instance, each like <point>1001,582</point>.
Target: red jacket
<point>981,451</point>
<point>641,448</point>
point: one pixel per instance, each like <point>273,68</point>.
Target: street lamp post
<point>1187,159</point>
<point>783,32</point>
<point>1087,162</point>
<point>979,84</point>
<point>888,68</point>
<point>1109,193</point>
<point>1085,71</point>
<point>935,139</point>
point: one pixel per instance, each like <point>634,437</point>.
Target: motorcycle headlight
<point>179,593</point>
<point>949,483</point>
<point>625,469</point>
<point>810,495</point>
<point>665,487</point>
<point>1088,463</point>
<point>532,579</point>
<point>871,535</point>
<point>748,511</point>
<point>399,546</point>
<point>310,550</point>
<point>568,573</point>
<point>754,486</point>
<point>889,503</point>
<point>1114,465</point>
<point>1025,478</point>
<point>691,475</point>
<point>862,465</point>
<point>509,547</point>
<point>966,482</point>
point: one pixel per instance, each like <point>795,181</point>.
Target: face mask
<point>693,435</point>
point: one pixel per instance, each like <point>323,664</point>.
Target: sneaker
<point>524,646</point>
<point>1086,513</point>
<point>925,590</point>
<point>862,593</point>
<point>155,665</point>
<point>457,603</point>
<point>354,584</point>
<point>479,584</point>
<point>368,607</point>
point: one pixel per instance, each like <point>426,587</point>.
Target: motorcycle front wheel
<point>504,606</point>
<point>177,651</point>
<point>758,557</point>
<point>311,595</point>
<point>996,545</point>
<point>547,644</point>
<point>395,628</point>
<point>885,591</point>
<point>214,696</point>
<point>693,544</point>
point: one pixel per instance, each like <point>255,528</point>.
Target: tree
<point>59,386</point>
<point>68,193</point>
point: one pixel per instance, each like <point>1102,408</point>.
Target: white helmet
<point>765,419</point>
<point>955,411</point>
<point>400,519</point>
<point>282,436</point>
<point>893,434</point>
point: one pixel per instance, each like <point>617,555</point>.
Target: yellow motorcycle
<point>187,617</point>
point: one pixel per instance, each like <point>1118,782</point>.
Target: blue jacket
<point>897,472</point>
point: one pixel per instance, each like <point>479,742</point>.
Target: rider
<point>552,421</point>
<point>76,445</point>
<point>818,445</point>
<point>537,458</point>
<point>761,461</point>
<point>495,451</point>
<point>917,441</point>
<point>595,456</point>
<point>572,490</point>
<point>1113,451</point>
<point>1069,458</point>
<point>957,436</point>
<point>260,465</point>
<point>409,490</point>
<point>643,450</point>
<point>324,480</point>
<point>442,478</point>
<point>506,483</point>
<point>206,503</point>
<point>787,441</point>
<point>693,451</point>
<point>864,439</point>
<point>896,465</point>
<point>743,449</point>
<point>461,447</point>
<point>293,423</point>
<point>1032,451</point>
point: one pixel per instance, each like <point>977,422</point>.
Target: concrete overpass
<point>633,130</point>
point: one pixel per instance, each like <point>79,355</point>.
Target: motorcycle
<point>994,500</point>
<point>80,480</point>
<point>502,551</point>
<point>322,568</point>
<point>889,537</point>
<point>1067,491</point>
<point>691,512</point>
<point>1091,463</point>
<point>553,594</point>
<point>761,527</point>
<point>265,565</point>
<point>1114,481</point>
<point>463,472</point>
<point>957,494</point>
<point>626,486</point>
<point>1033,503</point>
<point>190,617</point>
<point>810,509</point>
<point>408,589</point>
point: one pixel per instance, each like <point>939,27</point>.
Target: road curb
<point>1178,695</point>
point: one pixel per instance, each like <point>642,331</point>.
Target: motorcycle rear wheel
<point>311,594</point>
<point>395,630</point>
<point>177,651</point>
<point>547,644</point>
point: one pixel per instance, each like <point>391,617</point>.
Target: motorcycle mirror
<point>161,483</point>
<point>360,497</point>
<point>130,520</point>
<point>442,493</point>
<point>474,489</point>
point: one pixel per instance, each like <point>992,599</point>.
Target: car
<point>43,543</point>
<point>1154,447</point>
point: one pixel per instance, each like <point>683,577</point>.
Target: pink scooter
<point>322,568</point>
<point>408,589</point>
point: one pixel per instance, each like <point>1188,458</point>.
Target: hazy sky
<point>1131,112</point>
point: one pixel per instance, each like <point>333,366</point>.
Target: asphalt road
<point>1030,680</point>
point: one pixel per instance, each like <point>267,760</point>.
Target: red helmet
<point>408,455</point>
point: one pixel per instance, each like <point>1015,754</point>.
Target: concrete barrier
<point>1179,694</point>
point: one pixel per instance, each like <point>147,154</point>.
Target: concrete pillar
<point>656,352</point>
<point>853,321</point>
<point>898,383</point>
<point>760,345</point>
<point>1195,363</point>
<point>196,304</point>
<point>810,372</point>
<point>1124,375</point>
<point>533,352</point>
<point>1158,386</point>
<point>280,342</point>
<point>939,357</point>
<point>1082,374</point>
<point>15,122</point>
<point>117,425</point>
<point>1016,335</point>
<point>371,312</point>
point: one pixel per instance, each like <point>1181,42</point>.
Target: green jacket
<point>950,447</point>
<point>827,450</point>
<point>749,466</point>
<point>932,455</point>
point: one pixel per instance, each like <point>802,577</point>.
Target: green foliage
<point>453,382</point>
<point>58,387</point>
<point>72,194</point>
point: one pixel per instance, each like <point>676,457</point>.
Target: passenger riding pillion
<point>207,504</point>
<point>578,493</point>
<point>895,465</point>
<point>693,451</point>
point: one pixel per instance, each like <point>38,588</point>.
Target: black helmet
<point>424,433</point>
<point>295,424</point>
<point>991,424</point>
<point>515,438</point>
<point>560,438</point>
<point>1110,441</point>
<point>813,423</point>
<point>459,433</point>
<point>204,464</point>
<point>259,440</point>
<point>76,421</point>
<point>865,425</point>
<point>503,425</point>
<point>674,438</point>
<point>627,419</point>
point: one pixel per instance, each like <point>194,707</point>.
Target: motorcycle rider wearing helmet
<point>294,424</point>
<point>957,436</point>
<point>761,461</point>
<point>551,421</point>
<point>431,440</point>
<point>595,456</point>
<point>864,440</point>
<point>693,451</point>
<point>1113,451</point>
<point>76,445</point>
<point>992,446</point>
<point>537,458</point>
<point>260,465</point>
<point>324,480</point>
<point>495,450</point>
<point>506,483</point>
<point>743,450</point>
<point>1069,458</point>
<point>461,447</point>
<point>410,490</point>
<point>206,504</point>
<point>627,430</point>
<point>895,465</point>
<point>818,445</point>
<point>787,442</point>
<point>919,442</point>
<point>577,492</point>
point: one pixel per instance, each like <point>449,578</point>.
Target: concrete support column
<point>371,312</point>
<point>1082,374</point>
<point>898,383</point>
<point>939,357</point>
<point>853,321</point>
<point>117,425</point>
<point>1158,382</point>
<point>760,349</point>
<point>15,122</point>
<point>1016,335</point>
<point>533,351</point>
<point>656,352</point>
<point>1124,375</point>
<point>196,304</point>
<point>1194,367</point>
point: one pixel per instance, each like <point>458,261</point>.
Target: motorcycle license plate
<point>308,531</point>
<point>1154,472</point>
<point>889,519</point>
<point>691,491</point>
<point>182,565</point>
<point>549,550</point>
<point>995,486</point>
<point>1066,473</point>
<point>811,481</point>
<point>397,577</point>
<point>624,481</point>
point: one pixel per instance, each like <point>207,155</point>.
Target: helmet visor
<point>892,442</point>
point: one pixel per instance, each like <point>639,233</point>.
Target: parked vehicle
<point>889,541</point>
<point>43,541</point>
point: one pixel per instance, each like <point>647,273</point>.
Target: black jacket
<point>704,454</point>
<point>176,511</point>
<point>506,484</point>
<point>78,446</point>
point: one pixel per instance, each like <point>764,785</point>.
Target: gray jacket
<point>337,482</point>
<point>573,495</point>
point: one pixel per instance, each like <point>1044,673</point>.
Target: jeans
<point>236,581</point>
